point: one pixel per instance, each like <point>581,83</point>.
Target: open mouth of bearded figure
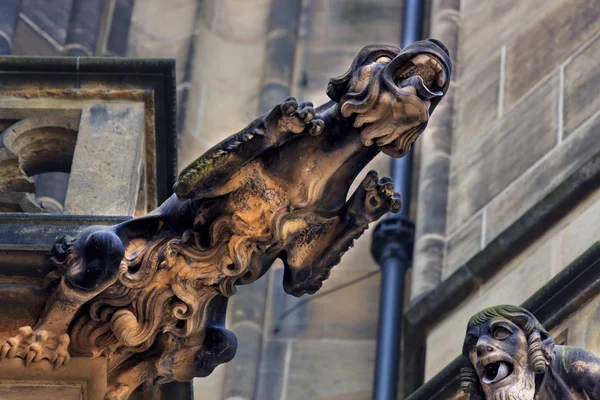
<point>496,372</point>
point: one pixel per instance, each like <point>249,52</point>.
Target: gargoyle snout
<point>484,347</point>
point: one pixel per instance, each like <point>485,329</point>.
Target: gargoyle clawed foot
<point>374,197</point>
<point>37,345</point>
<point>292,118</point>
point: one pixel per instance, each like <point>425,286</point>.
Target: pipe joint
<point>393,238</point>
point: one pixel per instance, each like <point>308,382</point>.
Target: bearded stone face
<point>391,93</point>
<point>498,351</point>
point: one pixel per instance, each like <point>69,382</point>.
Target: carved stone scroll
<point>149,295</point>
<point>511,356</point>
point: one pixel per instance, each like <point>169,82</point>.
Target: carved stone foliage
<point>150,294</point>
<point>512,356</point>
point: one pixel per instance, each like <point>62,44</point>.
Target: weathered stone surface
<point>488,25</point>
<point>89,373</point>
<point>100,183</point>
<point>536,183</point>
<point>520,278</point>
<point>493,160</point>
<point>450,331</point>
<point>463,245</point>
<point>242,21</point>
<point>210,387</point>
<point>34,391</point>
<point>356,22</point>
<point>429,264</point>
<point>432,196</point>
<point>477,103</point>
<point>272,371</point>
<point>547,42</point>
<point>329,369</point>
<point>240,382</point>
<point>515,283</point>
<point>582,231</point>
<point>163,29</point>
<point>350,313</point>
<point>582,85</point>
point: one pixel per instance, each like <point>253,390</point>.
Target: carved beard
<point>390,118</point>
<point>522,386</point>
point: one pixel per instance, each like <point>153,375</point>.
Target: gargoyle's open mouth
<point>496,371</point>
<point>423,76</point>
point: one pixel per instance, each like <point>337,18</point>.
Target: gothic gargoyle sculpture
<point>512,356</point>
<point>150,294</point>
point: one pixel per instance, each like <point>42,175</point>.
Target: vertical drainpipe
<point>392,246</point>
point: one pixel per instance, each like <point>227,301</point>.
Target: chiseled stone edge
<point>556,300</point>
<point>466,279</point>
<point>486,263</point>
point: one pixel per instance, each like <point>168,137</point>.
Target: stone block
<point>238,66</point>
<point>170,20</point>
<point>432,193</point>
<point>538,182</point>
<point>272,370</point>
<point>444,341</point>
<point>350,313</point>
<point>582,231</point>
<point>248,305</point>
<point>582,85</point>
<point>582,327</point>
<point>427,265</point>
<point>487,25</point>
<point>520,278</point>
<point>242,372</point>
<point>546,43</point>
<point>242,21</point>
<point>144,44</point>
<point>463,245</point>
<point>357,23</point>
<point>85,376</point>
<point>107,162</point>
<point>477,103</point>
<point>493,160</point>
<point>321,370</point>
<point>210,387</point>
<point>321,65</point>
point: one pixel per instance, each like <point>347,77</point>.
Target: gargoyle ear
<point>338,85</point>
<point>541,353</point>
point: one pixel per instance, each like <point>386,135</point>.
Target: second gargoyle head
<point>390,93</point>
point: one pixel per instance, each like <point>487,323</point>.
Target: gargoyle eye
<point>501,333</point>
<point>383,60</point>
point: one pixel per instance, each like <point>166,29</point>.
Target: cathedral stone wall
<point>523,198</point>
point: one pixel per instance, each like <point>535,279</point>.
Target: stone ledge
<point>554,302</point>
<point>485,264</point>
<point>87,375</point>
